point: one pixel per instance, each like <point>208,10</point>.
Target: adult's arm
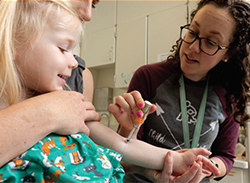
<point>223,148</point>
<point>25,123</point>
<point>88,85</point>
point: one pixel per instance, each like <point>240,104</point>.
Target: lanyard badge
<point>198,126</point>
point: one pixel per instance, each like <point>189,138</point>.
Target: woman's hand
<point>126,108</point>
<point>189,157</point>
<point>192,175</point>
<point>62,112</point>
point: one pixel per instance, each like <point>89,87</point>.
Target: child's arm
<point>194,173</point>
<point>143,154</point>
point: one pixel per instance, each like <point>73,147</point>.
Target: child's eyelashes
<point>62,50</point>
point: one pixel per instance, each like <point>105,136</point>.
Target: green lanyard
<point>200,117</point>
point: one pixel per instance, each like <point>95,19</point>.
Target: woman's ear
<point>226,58</point>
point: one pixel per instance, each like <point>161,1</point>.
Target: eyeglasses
<point>206,45</point>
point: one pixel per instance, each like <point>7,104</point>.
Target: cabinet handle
<point>110,55</point>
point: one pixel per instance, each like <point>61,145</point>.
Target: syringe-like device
<point>139,121</point>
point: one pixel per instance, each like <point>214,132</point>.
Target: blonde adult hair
<point>22,23</point>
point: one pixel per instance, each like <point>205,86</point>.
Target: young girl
<point>203,87</point>
<point>37,39</point>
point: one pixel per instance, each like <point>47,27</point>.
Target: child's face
<point>44,67</point>
<point>215,24</point>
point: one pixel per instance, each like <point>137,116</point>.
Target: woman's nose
<point>195,46</point>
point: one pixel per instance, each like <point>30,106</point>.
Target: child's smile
<point>45,65</point>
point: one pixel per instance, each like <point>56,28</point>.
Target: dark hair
<point>235,77</point>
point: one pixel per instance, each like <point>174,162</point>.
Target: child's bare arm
<point>136,151</point>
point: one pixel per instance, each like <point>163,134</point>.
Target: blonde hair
<point>22,23</point>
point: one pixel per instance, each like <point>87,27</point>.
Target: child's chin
<point>57,89</point>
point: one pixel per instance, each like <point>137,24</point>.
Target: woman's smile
<point>190,60</point>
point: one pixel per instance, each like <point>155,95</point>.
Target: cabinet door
<point>130,10</point>
<point>130,53</point>
<point>98,41</point>
<point>164,31</point>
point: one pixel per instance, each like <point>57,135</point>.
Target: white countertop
<point>240,163</point>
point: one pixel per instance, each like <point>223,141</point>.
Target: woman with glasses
<point>201,90</point>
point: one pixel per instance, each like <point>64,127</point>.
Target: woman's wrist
<point>212,176</point>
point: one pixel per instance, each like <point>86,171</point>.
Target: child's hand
<point>192,175</point>
<point>189,156</point>
<point>126,108</point>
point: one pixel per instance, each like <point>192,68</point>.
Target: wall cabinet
<point>130,50</point>
<point>130,34</point>
<point>130,10</point>
<point>98,42</point>
<point>144,29</point>
<point>100,48</point>
<point>164,30</point>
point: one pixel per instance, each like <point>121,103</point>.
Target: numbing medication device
<point>139,121</point>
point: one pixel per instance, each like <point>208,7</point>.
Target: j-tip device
<point>139,121</point>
